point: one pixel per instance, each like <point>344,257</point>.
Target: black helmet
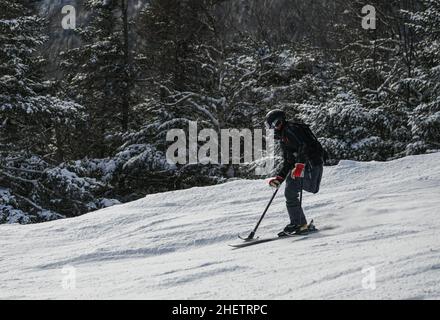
<point>274,118</point>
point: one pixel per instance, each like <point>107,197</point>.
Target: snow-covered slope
<point>378,219</point>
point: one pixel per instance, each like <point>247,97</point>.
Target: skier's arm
<point>298,144</point>
<point>300,155</point>
<point>288,163</point>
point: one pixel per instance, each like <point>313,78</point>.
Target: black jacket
<point>299,145</point>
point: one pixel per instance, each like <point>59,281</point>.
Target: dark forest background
<point>84,113</point>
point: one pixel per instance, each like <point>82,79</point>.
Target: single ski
<point>252,242</point>
<point>263,240</point>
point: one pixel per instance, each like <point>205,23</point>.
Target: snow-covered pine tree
<point>22,99</point>
<point>369,70</point>
<point>168,33</point>
<point>425,119</point>
<point>34,125</point>
<point>99,75</point>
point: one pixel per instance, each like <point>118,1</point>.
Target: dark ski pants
<point>310,183</point>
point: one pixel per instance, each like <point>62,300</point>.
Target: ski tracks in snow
<point>378,220</point>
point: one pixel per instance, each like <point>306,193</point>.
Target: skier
<point>302,167</point>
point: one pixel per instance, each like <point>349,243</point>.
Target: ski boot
<point>292,229</point>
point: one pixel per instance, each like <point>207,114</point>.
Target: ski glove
<point>298,171</point>
<point>276,182</point>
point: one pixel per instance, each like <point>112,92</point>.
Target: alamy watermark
<point>230,146</point>
<point>369,279</point>
<point>369,20</point>
<point>68,281</point>
<point>69,18</point>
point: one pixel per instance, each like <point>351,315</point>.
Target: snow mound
<point>379,240</point>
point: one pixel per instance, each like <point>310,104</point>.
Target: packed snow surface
<point>380,239</point>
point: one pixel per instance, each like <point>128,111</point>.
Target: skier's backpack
<point>314,149</point>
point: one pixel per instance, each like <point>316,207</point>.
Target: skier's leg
<point>292,194</point>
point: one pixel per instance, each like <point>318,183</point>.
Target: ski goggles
<point>274,124</point>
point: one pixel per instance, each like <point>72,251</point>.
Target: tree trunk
<point>126,75</point>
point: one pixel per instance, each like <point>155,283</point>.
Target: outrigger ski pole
<point>252,234</point>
